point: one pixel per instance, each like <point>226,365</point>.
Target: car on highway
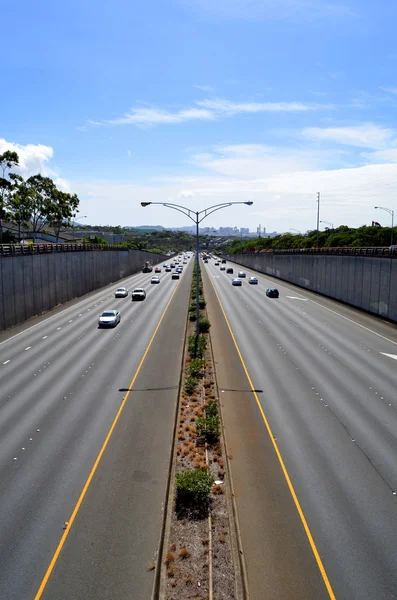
<point>155,280</point>
<point>175,275</point>
<point>272,292</point>
<point>242,274</point>
<point>222,268</point>
<point>165,265</point>
<point>138,294</point>
<point>172,265</point>
<point>157,270</point>
<point>253,280</point>
<point>217,264</point>
<point>229,270</point>
<point>121,292</point>
<point>236,281</point>
<point>109,318</point>
<point>223,261</point>
<point>168,269</point>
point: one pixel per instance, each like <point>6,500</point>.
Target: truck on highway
<point>147,267</point>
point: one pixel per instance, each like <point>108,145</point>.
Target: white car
<point>138,294</point>
<point>236,282</point>
<point>253,280</point>
<point>242,274</point>
<point>121,292</point>
<point>109,318</point>
<point>155,280</point>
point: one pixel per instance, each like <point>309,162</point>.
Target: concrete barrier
<point>34,283</point>
<point>367,282</point>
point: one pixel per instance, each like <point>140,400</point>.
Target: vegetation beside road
<point>34,203</point>
<point>339,237</point>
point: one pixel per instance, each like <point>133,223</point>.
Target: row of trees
<point>342,236</point>
<point>35,202</point>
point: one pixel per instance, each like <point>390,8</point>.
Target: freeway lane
<point>57,402</point>
<point>329,395</point>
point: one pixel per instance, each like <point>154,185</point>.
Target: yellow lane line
<point>97,461</point>
<point>281,461</point>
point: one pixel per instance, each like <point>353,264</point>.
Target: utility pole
<point>318,217</point>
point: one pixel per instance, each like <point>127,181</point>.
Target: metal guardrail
<point>26,249</point>
<point>350,251</point>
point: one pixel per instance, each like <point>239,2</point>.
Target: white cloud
<point>185,194</point>
<point>33,158</point>
<point>227,107</point>
<point>366,136</point>
<point>63,185</point>
<point>392,90</point>
<point>156,116</point>
<point>209,109</point>
<point>205,88</point>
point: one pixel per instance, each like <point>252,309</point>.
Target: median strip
<point>200,556</point>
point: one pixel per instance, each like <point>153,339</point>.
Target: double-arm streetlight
<point>74,221</point>
<point>391,212</point>
<point>328,223</point>
<point>197,217</point>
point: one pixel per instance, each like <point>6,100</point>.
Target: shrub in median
<point>196,367</point>
<point>197,346</point>
<point>211,408</point>
<point>190,385</point>
<point>193,487</point>
<point>204,325</point>
<point>208,428</point>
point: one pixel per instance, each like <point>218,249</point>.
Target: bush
<point>196,367</point>
<point>192,316</point>
<point>208,428</point>
<point>211,408</point>
<point>190,385</point>
<point>197,346</point>
<point>202,303</point>
<point>204,325</point>
<point>193,487</point>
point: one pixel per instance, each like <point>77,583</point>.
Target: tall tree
<point>42,190</point>
<point>8,160</point>
<point>62,210</point>
<point>20,202</point>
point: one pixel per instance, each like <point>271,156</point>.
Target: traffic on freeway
<point>86,423</point>
<point>308,389</point>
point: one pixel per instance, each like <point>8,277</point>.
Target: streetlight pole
<point>391,212</point>
<point>318,217</point>
<point>74,222</point>
<point>328,223</point>
<point>196,217</point>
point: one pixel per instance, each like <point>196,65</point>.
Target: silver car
<point>155,280</point>
<point>253,280</point>
<point>121,292</point>
<point>237,282</point>
<point>138,294</point>
<point>109,318</point>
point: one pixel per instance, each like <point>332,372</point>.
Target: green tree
<point>61,210</point>
<point>8,160</point>
<point>20,202</point>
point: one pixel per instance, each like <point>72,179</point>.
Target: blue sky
<point>198,102</point>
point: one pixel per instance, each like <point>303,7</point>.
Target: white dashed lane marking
<point>44,337</point>
<point>28,348</point>
<point>6,362</point>
<point>389,355</point>
<point>58,328</point>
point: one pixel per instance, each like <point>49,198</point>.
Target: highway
<point>314,447</point>
<point>87,504</point>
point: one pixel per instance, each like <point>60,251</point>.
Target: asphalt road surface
<point>62,384</point>
<point>325,377</point>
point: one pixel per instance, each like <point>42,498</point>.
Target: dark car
<point>175,276</point>
<point>223,261</point>
<point>229,270</point>
<point>272,292</point>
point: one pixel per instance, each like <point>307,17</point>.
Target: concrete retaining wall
<point>369,283</point>
<point>33,284</point>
